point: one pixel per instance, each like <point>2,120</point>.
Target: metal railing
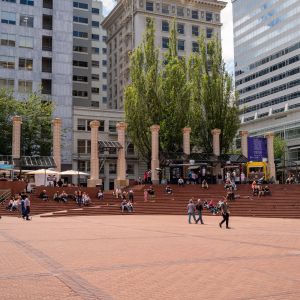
<point>5,194</point>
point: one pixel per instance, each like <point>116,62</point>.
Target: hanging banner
<point>257,149</point>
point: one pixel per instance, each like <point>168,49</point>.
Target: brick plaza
<point>149,257</point>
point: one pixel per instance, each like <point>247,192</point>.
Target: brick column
<point>94,173</point>
<point>56,144</point>
<point>216,141</point>
<point>244,142</point>
<point>186,140</point>
<point>155,153</point>
<point>271,164</point>
<point>121,166</point>
<point>16,137</point>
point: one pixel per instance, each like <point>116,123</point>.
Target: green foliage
<point>36,128</point>
<point>176,94</point>
<point>279,147</point>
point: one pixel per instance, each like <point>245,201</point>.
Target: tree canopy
<point>36,126</point>
<point>176,92</point>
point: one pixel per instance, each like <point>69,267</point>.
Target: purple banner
<point>257,149</point>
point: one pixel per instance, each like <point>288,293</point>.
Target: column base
<point>121,183</point>
<point>155,181</point>
<point>94,182</point>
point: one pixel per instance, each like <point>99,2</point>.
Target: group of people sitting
<point>260,190</point>
<point>20,203</point>
<point>126,206</point>
<point>124,194</point>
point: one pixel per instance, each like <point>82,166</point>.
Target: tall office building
<point>126,24</point>
<point>267,66</point>
<point>36,52</point>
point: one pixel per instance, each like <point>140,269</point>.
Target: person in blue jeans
<point>191,211</point>
<point>199,208</point>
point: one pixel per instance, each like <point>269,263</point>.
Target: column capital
<point>94,124</point>
<point>56,121</point>
<point>186,130</point>
<point>269,134</point>
<point>244,133</point>
<point>216,131</point>
<point>155,128</point>
<point>121,126</point>
<point>17,119</point>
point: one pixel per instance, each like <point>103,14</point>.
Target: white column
<point>56,136</point>
<point>244,142</point>
<point>94,170</point>
<point>155,153</point>
<point>216,141</point>
<point>121,166</point>
<point>186,140</point>
<point>270,144</point>
<point>16,137</point>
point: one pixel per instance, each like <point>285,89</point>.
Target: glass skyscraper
<point>267,68</point>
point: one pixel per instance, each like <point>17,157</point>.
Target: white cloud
<point>227,31</point>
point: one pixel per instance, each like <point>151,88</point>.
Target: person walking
<point>27,208</point>
<point>199,208</point>
<point>225,214</point>
<point>23,209</point>
<point>191,211</point>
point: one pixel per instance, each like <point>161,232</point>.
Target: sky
<point>227,31</point>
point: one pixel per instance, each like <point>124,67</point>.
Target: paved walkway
<point>149,257</point>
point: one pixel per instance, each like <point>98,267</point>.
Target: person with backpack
<point>199,208</point>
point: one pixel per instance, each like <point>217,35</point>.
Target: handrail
<point>4,196</point>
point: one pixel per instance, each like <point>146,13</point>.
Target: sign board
<point>257,149</point>
<point>6,167</point>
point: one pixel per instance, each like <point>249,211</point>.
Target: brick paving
<point>149,257</point>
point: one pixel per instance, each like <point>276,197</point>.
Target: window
<point>180,28</point>
<point>102,125</point>
<point>95,63</point>
<point>112,126</point>
<point>149,6</point>
<point>46,86</point>
<point>165,9</point>
<point>7,83</point>
<point>80,49</point>
<point>104,50</point>
<point>181,45</point>
<point>80,20</point>
<point>104,100</point>
<point>95,24</point>
<point>209,32</point>
<point>165,42</point>
<point>25,86</point>
<point>26,41</point>
<point>104,38</point>
<point>82,94</point>
<point>95,90</point>
<point>95,37</point>
<point>195,14</point>
<point>165,26</point>
<point>195,47</point>
<point>95,77</point>
<point>8,18</point>
<point>130,169</point>
<point>11,1</point>
<point>104,63</point>
<point>95,11</point>
<point>180,11</point>
<point>112,168</point>
<point>95,50</point>
<point>80,5</point>
<point>104,87</point>
<point>104,75</point>
<point>47,43</point>
<point>48,4</point>
<point>79,63</point>
<point>7,39</point>
<point>25,64</point>
<point>81,124</point>
<point>27,2</point>
<point>47,22</point>
<point>195,30</point>
<point>26,21</point>
<point>130,149</point>
<point>80,34</point>
<point>80,78</point>
<point>81,147</point>
<point>208,16</point>
<point>7,62</point>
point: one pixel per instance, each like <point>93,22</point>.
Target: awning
<point>109,145</point>
<point>35,162</point>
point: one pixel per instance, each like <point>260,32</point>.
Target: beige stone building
<point>126,23</point>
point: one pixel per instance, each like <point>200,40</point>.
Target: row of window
<point>271,91</point>
<point>25,2</point>
<point>85,64</point>
<point>180,45</point>
<point>85,35</point>
<point>270,80</point>
<point>265,71</point>
<point>165,27</point>
<point>181,11</point>
<point>85,6</point>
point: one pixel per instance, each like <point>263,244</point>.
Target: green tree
<point>279,145</point>
<point>36,114</point>
<point>143,105</point>
<point>212,97</point>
